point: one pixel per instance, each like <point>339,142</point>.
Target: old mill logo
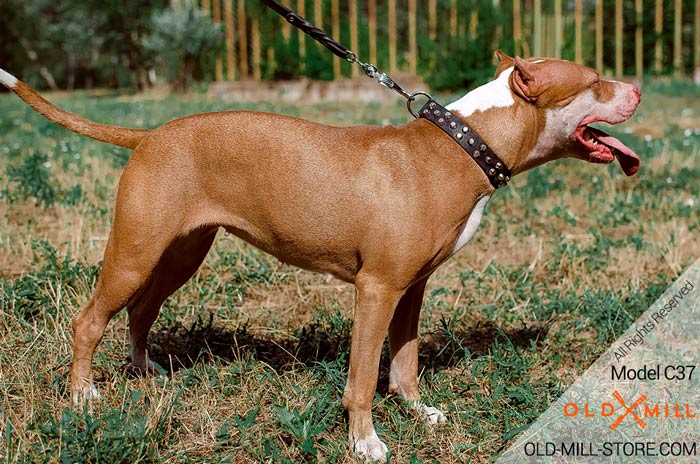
<point>639,410</point>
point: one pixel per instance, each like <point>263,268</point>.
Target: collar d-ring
<point>412,98</point>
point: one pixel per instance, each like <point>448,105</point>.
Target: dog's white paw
<point>432,415</point>
<point>370,448</point>
<point>85,394</point>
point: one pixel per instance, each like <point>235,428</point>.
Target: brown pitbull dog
<point>379,207</point>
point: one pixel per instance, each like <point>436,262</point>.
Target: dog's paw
<point>143,367</point>
<point>432,415</point>
<point>85,393</point>
<point>370,448</point>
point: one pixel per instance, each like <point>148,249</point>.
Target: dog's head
<point>570,97</point>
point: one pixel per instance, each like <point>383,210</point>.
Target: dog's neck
<point>510,126</point>
<point>494,94</point>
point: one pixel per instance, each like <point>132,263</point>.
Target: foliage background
<point>87,43</point>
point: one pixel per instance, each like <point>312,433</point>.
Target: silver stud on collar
<point>492,166</point>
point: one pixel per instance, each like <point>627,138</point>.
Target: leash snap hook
<point>386,81</point>
<point>369,69</point>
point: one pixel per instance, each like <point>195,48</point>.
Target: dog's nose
<point>633,93</point>
<point>637,92</point>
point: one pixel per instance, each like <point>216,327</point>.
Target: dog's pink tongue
<point>629,161</point>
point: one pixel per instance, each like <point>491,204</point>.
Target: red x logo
<point>628,410</point>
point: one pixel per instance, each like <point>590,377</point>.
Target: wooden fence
<point>617,37</point>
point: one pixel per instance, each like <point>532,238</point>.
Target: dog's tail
<point>115,135</point>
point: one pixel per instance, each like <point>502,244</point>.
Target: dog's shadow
<point>176,346</point>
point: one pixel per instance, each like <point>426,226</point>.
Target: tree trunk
<point>32,55</point>
<point>70,85</point>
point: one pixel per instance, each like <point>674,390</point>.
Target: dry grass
<point>257,354</point>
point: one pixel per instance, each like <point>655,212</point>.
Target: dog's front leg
<point>374,306</point>
<point>403,339</point>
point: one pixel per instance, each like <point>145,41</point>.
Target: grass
<point>257,355</point>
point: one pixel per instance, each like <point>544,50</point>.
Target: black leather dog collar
<point>495,169</point>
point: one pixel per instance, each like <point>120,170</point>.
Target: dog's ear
<point>524,80</point>
<point>504,62</point>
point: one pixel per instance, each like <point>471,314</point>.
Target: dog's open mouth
<point>603,148</point>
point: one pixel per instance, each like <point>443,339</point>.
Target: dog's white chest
<point>470,225</point>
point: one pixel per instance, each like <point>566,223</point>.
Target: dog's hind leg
<point>179,262</point>
<point>143,230</point>
<point>141,276</point>
<point>126,268</point>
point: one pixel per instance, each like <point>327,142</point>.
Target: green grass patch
<point>566,259</point>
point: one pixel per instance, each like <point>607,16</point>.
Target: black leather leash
<point>308,28</point>
<point>494,168</point>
